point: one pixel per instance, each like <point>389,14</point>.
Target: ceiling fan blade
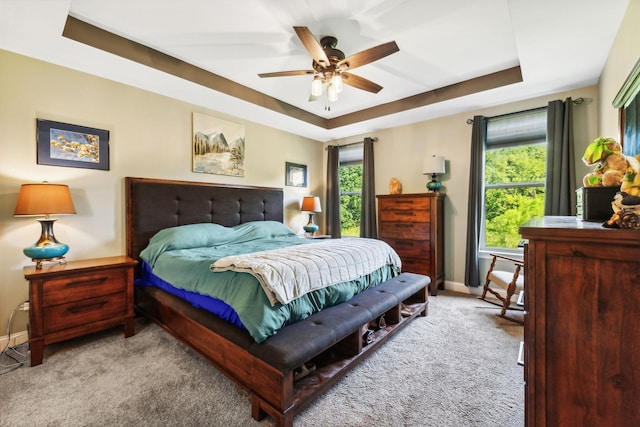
<point>312,46</point>
<point>287,73</point>
<point>368,55</point>
<point>360,83</point>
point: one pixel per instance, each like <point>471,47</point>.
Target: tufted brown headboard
<point>154,204</point>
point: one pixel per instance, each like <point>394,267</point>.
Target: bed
<point>280,375</point>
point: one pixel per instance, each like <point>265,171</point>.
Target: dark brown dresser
<point>413,224</point>
<point>582,324</point>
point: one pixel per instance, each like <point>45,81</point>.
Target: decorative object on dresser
<point>76,298</point>
<point>312,205</point>
<point>434,166</point>
<point>594,203</point>
<point>413,224</point>
<point>44,200</point>
<point>582,340</point>
<point>510,281</point>
<point>395,186</point>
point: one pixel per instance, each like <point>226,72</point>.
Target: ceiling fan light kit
<point>330,66</point>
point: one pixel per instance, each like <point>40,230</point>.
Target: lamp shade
<point>433,165</point>
<point>311,204</point>
<point>44,199</point>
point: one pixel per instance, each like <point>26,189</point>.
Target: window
<point>628,103</point>
<point>350,173</point>
<point>631,136</point>
<point>514,176</point>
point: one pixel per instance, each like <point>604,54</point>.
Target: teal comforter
<point>183,256</point>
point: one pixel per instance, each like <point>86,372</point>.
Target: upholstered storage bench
<point>327,344</point>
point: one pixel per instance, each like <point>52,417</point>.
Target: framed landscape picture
<point>64,144</point>
<point>218,146</point>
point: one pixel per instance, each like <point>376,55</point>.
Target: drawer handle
<point>405,213</point>
<point>88,307</point>
<point>403,225</point>
<point>87,282</point>
<point>406,202</point>
<point>404,243</point>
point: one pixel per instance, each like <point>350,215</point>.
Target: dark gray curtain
<point>368,207</point>
<point>560,188</point>
<point>332,208</point>
<point>476,200</point>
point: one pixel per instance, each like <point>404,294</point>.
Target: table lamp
<point>434,166</point>
<point>45,199</point>
<point>311,204</point>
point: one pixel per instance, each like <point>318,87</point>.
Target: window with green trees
<point>514,176</point>
<point>350,173</point>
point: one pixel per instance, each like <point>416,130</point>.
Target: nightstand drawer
<point>404,230</point>
<point>82,286</point>
<point>64,316</point>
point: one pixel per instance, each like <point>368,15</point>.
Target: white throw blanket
<point>288,273</point>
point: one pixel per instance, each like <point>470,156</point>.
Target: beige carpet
<point>456,367</point>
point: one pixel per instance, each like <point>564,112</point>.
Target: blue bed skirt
<point>205,302</point>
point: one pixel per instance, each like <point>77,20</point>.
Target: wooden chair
<point>509,282</point>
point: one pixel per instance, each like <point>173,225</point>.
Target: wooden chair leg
<point>511,289</point>
<point>485,288</point>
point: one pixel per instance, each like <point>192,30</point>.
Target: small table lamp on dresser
<point>434,166</point>
<point>44,200</point>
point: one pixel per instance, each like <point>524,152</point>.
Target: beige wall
<point>624,54</point>
<point>150,136</point>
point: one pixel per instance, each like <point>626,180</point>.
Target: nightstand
<point>68,300</point>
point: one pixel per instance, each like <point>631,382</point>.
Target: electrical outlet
<point>24,306</point>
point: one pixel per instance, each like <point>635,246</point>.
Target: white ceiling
<point>559,45</point>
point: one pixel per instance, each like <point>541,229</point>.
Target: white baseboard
<point>16,339</point>
<point>461,288</point>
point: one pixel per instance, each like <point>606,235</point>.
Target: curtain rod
<point>574,101</point>
<point>373,139</point>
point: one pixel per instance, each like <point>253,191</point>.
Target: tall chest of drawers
<point>581,333</point>
<point>413,224</point>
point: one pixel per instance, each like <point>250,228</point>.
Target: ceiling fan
<point>330,66</point>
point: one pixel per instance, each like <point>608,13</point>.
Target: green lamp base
<point>47,248</point>
<point>434,186</point>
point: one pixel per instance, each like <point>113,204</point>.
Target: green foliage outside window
<point>514,191</point>
<point>350,199</point>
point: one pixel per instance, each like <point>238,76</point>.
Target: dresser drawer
<point>410,248</point>
<point>404,230</point>
<point>406,210</point>
<point>415,265</point>
<point>82,286</point>
<point>64,316</point>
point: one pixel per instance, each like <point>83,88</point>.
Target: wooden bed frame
<point>267,371</point>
